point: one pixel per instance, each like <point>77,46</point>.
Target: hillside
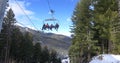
<point>60,43</point>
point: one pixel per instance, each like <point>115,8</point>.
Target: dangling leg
<point>43,28</point>
<point>51,28</point>
<point>56,27</point>
<point>47,27</point>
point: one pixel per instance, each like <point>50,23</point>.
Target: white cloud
<point>35,18</point>
<point>31,27</point>
<point>60,32</point>
<point>28,4</point>
<point>20,8</point>
<point>69,19</point>
<point>65,33</point>
<point>19,24</point>
<point>23,20</point>
<point>28,26</point>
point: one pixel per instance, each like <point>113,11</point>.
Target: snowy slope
<point>106,58</point>
<point>66,60</point>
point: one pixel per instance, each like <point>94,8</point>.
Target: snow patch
<point>106,58</point>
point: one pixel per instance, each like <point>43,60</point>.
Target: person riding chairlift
<point>51,26</point>
<point>56,26</point>
<point>45,26</point>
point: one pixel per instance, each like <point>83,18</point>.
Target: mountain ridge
<point>60,43</point>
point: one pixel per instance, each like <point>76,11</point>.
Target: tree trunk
<point>88,57</point>
<point>109,47</point>
<point>102,47</point>
<point>119,7</point>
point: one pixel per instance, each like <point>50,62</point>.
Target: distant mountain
<point>60,43</point>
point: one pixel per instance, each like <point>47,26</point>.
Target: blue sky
<point>38,10</point>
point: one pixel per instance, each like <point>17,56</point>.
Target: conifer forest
<point>96,29</point>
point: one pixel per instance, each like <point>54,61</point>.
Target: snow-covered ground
<point>106,58</point>
<point>65,60</point>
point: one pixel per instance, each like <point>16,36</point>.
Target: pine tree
<point>53,56</point>
<point>45,55</point>
<point>95,25</point>
<point>37,57</point>
<point>105,15</point>
<point>15,44</point>
<point>83,42</point>
<point>8,22</point>
<point>116,29</point>
<point>26,48</point>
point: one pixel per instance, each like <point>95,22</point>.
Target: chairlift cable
<point>50,9</point>
<point>26,15</point>
<point>49,4</point>
<point>16,20</point>
<point>21,23</point>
